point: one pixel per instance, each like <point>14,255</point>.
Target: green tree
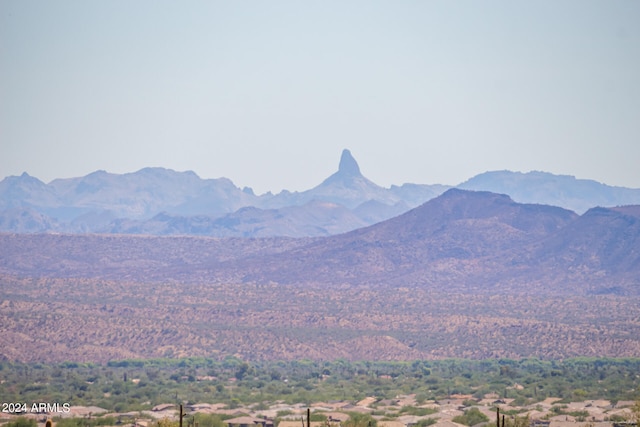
<point>359,420</point>
<point>244,370</point>
<point>471,417</point>
<point>208,420</point>
<point>516,421</point>
<point>166,422</point>
<point>635,413</point>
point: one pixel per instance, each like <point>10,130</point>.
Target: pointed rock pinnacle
<point>348,165</point>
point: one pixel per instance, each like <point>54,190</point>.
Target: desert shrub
<point>471,417</point>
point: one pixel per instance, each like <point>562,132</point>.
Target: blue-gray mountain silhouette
<point>163,201</point>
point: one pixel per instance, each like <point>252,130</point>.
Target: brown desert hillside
<point>462,240</point>
<point>468,274</point>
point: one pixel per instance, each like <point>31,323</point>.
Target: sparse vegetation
<point>357,419</point>
<point>122,320</point>
<point>471,417</point>
<point>516,422</point>
<point>22,422</point>
<point>136,384</point>
<point>412,410</point>
<point>86,422</point>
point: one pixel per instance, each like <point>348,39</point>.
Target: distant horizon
<point>329,173</point>
<point>268,95</point>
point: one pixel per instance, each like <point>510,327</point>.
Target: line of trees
<point>129,385</point>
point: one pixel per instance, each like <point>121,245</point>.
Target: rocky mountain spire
<point>348,165</point>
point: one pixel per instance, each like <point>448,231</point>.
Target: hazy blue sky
<point>268,93</point>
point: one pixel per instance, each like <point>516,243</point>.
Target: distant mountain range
<point>461,241</point>
<point>578,195</point>
<point>159,201</point>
